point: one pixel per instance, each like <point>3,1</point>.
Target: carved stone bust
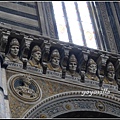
<point>54,63</point>
<point>13,51</point>
<point>110,76</point>
<point>91,70</point>
<point>72,66</point>
<point>35,57</point>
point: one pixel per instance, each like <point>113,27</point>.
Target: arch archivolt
<point>73,101</point>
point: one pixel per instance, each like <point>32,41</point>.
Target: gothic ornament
<point>25,51</point>
<point>24,88</point>
<point>83,62</point>
<point>101,68</point>
<point>60,103</point>
<point>4,39</point>
<point>68,107</point>
<point>100,106</point>
<point>43,116</point>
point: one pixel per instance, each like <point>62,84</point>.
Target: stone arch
<point>74,101</point>
<point>85,114</point>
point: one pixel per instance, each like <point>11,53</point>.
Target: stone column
<point>2,105</point>
<point>3,40</point>
<point>6,101</point>
<point>49,19</point>
<point>41,17</point>
<point>107,26</point>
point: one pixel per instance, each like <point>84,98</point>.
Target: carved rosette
<point>100,106</point>
<point>24,88</point>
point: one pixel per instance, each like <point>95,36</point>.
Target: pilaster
<point>107,26</point>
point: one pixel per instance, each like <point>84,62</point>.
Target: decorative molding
<point>108,28</point>
<point>71,101</point>
<point>81,53</point>
<point>50,20</point>
<point>3,40</point>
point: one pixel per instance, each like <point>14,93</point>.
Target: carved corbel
<point>65,57</point>
<point>1,59</point>
<point>3,40</point>
<point>117,77</point>
<point>46,50</point>
<point>83,62</point>
<point>3,64</point>
<point>101,61</point>
<point>26,50</point>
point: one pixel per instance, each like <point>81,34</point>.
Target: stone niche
<point>65,61</point>
<point>39,67</point>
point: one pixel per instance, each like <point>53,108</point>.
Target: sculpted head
<point>55,58</point>
<point>27,80</point>
<point>92,66</point>
<point>14,47</point>
<point>110,70</point>
<point>36,53</point>
<point>72,63</point>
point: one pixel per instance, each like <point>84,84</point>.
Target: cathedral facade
<point>42,77</point>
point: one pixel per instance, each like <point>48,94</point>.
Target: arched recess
<point>85,114</point>
<point>74,101</point>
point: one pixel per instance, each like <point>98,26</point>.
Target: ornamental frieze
<point>108,28</point>
<point>71,101</point>
<point>63,61</point>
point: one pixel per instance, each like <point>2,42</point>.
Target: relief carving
<point>100,106</point>
<point>25,88</point>
<point>14,51</point>
<point>62,63</point>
